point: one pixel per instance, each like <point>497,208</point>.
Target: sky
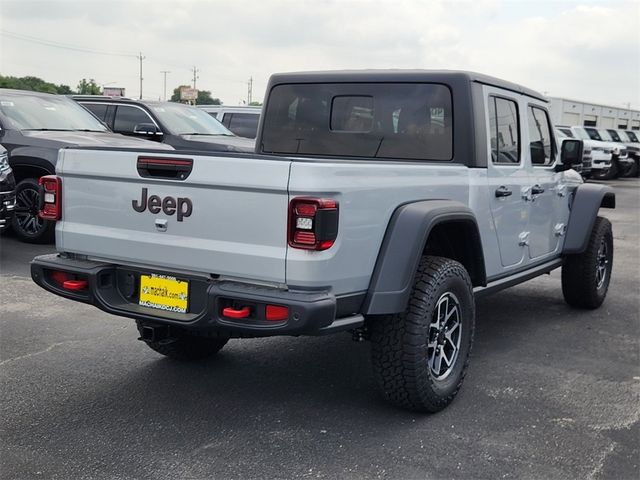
<point>583,50</point>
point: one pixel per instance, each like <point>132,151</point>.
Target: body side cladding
<point>587,200</point>
<point>403,245</point>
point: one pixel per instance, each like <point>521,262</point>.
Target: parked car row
<point>35,126</point>
<point>613,153</point>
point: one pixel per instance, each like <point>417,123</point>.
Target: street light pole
<point>165,82</point>
<point>140,57</point>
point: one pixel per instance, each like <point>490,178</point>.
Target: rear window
<point>393,120</point>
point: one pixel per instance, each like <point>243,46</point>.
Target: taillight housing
<point>51,201</point>
<point>313,223</point>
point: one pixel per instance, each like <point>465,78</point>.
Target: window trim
<point>554,148</point>
<point>490,159</point>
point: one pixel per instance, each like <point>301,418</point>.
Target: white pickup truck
<point>377,202</point>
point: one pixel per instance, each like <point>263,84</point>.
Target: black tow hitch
<point>156,334</point>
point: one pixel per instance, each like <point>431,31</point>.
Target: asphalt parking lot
<point>551,392</point>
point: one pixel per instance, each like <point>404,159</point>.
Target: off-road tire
<point>399,343</point>
<point>186,347</point>
<point>634,170</point>
<point>580,277</point>
<point>24,223</point>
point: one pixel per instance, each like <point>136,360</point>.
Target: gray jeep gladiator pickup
<point>377,202</point>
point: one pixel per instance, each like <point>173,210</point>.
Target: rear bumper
<point>114,289</point>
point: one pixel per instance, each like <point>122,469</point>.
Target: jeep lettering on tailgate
<point>169,205</point>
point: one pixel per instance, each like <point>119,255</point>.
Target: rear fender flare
<point>403,245</point>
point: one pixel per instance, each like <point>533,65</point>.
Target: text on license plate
<point>164,292</point>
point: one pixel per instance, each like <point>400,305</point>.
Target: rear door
<point>228,217</point>
<point>508,176</point>
<point>547,191</point>
<point>128,116</point>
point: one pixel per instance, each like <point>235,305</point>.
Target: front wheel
<point>26,223</point>
<point>586,276</point>
<point>420,356</point>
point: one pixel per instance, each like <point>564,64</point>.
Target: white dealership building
<point>565,111</point>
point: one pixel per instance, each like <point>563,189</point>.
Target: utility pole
<point>195,76</point>
<point>250,91</point>
<point>164,72</point>
<point>140,57</point>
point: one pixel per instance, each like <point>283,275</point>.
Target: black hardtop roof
<point>373,76</point>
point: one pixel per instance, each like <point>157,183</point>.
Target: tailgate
<point>228,217</point>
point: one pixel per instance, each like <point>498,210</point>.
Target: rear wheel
<point>184,346</point>
<point>26,223</point>
<point>420,356</point>
<point>586,276</point>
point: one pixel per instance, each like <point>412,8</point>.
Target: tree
<point>64,90</point>
<point>34,84</point>
<point>89,88</point>
<point>255,104</point>
<point>27,83</point>
<point>204,98</point>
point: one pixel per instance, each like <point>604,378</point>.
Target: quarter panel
<point>368,192</point>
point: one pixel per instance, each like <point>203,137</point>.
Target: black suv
<point>182,126</point>
<point>33,127</point>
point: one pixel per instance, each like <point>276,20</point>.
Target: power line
<point>64,46</point>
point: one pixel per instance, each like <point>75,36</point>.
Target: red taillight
<point>231,312</point>
<point>74,284</point>
<point>276,313</point>
<point>60,277</point>
<point>313,223</point>
<point>51,197</point>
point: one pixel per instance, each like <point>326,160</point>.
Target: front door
<point>508,179</point>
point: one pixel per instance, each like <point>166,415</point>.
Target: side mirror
<point>148,129</point>
<point>571,152</point>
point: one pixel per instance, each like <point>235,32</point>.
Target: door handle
<point>537,190</point>
<point>503,191</point>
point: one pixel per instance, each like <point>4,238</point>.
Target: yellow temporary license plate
<point>164,293</point>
